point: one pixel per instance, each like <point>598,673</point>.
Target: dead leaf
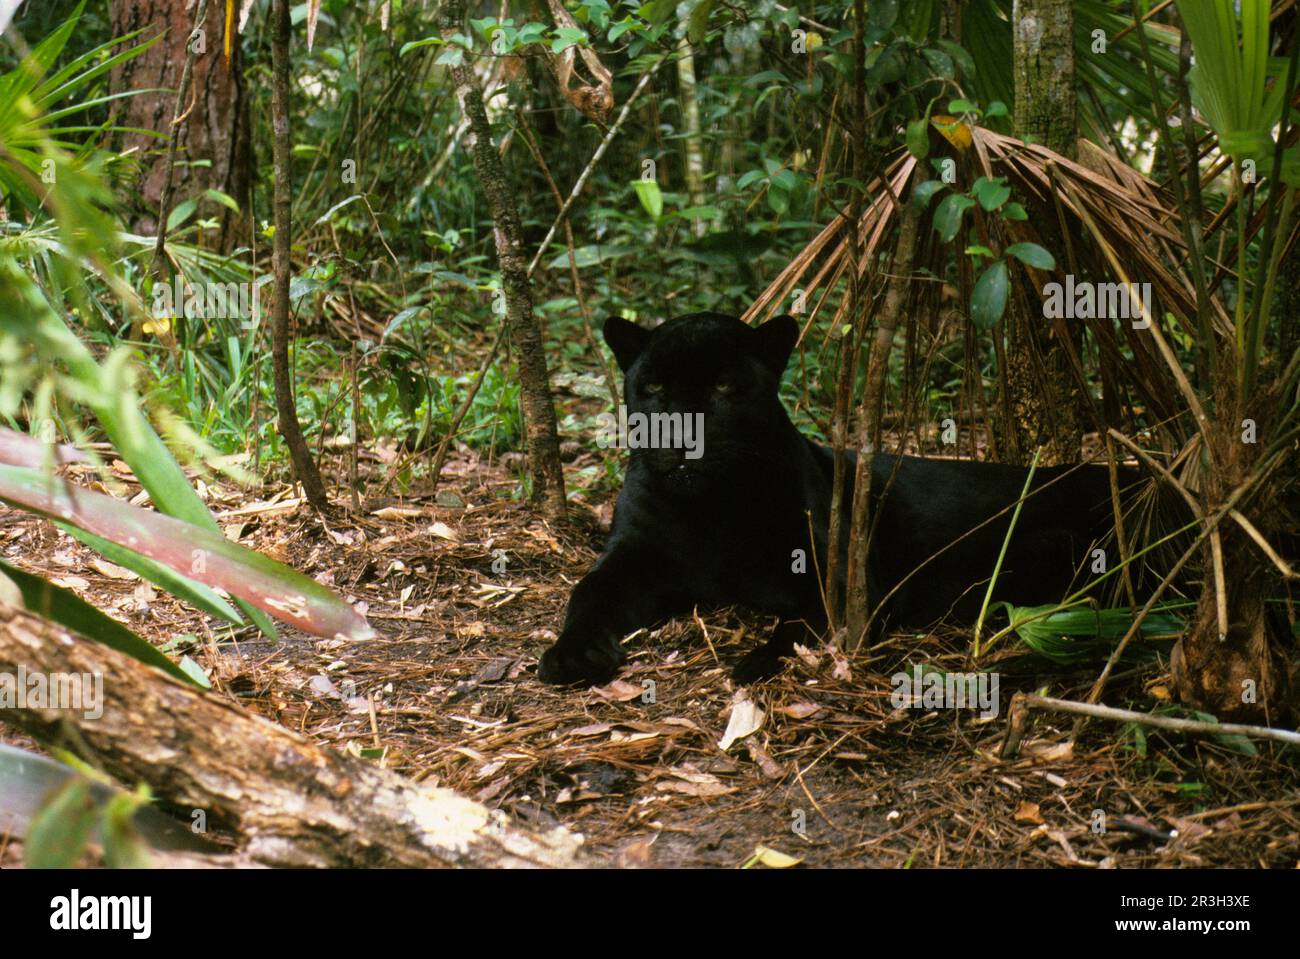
<point>799,710</point>
<point>619,691</point>
<point>746,718</point>
<point>769,766</point>
<point>111,570</point>
<point>443,531</point>
<point>397,512</point>
<point>493,670</point>
<point>1188,828</point>
<point>841,670</point>
<point>704,790</point>
<point>636,854</point>
<point>595,729</point>
<point>953,130</point>
<point>618,736</point>
<point>772,859</point>
<point>1050,752</point>
<point>679,721</point>
<point>809,657</point>
<point>321,685</point>
<point>1028,812</point>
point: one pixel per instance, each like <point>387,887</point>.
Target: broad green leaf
<point>918,138</point>
<point>566,37</point>
<point>991,193</point>
<point>1234,741</point>
<point>652,199</point>
<point>923,192</point>
<point>1031,254</point>
<point>451,57</point>
<point>947,216</point>
<point>180,213</point>
<point>416,44</point>
<point>698,23</point>
<point>989,298</point>
<point>225,199</point>
<point>1230,76</point>
<point>962,58</point>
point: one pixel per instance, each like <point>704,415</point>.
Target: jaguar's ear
<point>774,340</point>
<point>626,339</point>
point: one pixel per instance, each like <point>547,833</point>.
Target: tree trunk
<point>292,803</point>
<point>525,332</point>
<point>856,606</point>
<point>1041,405</point>
<point>304,466</point>
<point>1043,35</point>
<point>692,142</point>
<point>1237,673</point>
<point>216,130</point>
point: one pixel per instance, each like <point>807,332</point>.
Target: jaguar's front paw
<point>568,663</point>
<point>757,665</point>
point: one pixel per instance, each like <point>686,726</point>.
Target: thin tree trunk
<point>291,802</point>
<point>304,466</point>
<point>857,610</point>
<point>850,341</point>
<point>692,143</point>
<point>1042,406</point>
<point>525,331</point>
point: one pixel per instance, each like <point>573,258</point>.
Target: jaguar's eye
<point>654,388</point>
<point>722,386</point>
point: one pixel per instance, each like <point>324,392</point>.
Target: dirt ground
<point>466,588</point>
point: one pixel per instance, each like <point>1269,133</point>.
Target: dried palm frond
<point>1067,201</point>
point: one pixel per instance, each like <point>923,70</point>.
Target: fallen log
<point>290,802</point>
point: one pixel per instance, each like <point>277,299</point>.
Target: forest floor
<point>834,776</point>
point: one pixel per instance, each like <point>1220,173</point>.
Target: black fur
<point>725,528</point>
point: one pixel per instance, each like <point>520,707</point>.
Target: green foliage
<point>1085,634</point>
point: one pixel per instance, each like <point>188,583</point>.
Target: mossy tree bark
<point>1041,405</point>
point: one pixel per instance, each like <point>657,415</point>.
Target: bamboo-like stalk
<point>1002,553</point>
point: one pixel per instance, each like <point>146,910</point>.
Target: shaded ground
<point>835,775</point>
